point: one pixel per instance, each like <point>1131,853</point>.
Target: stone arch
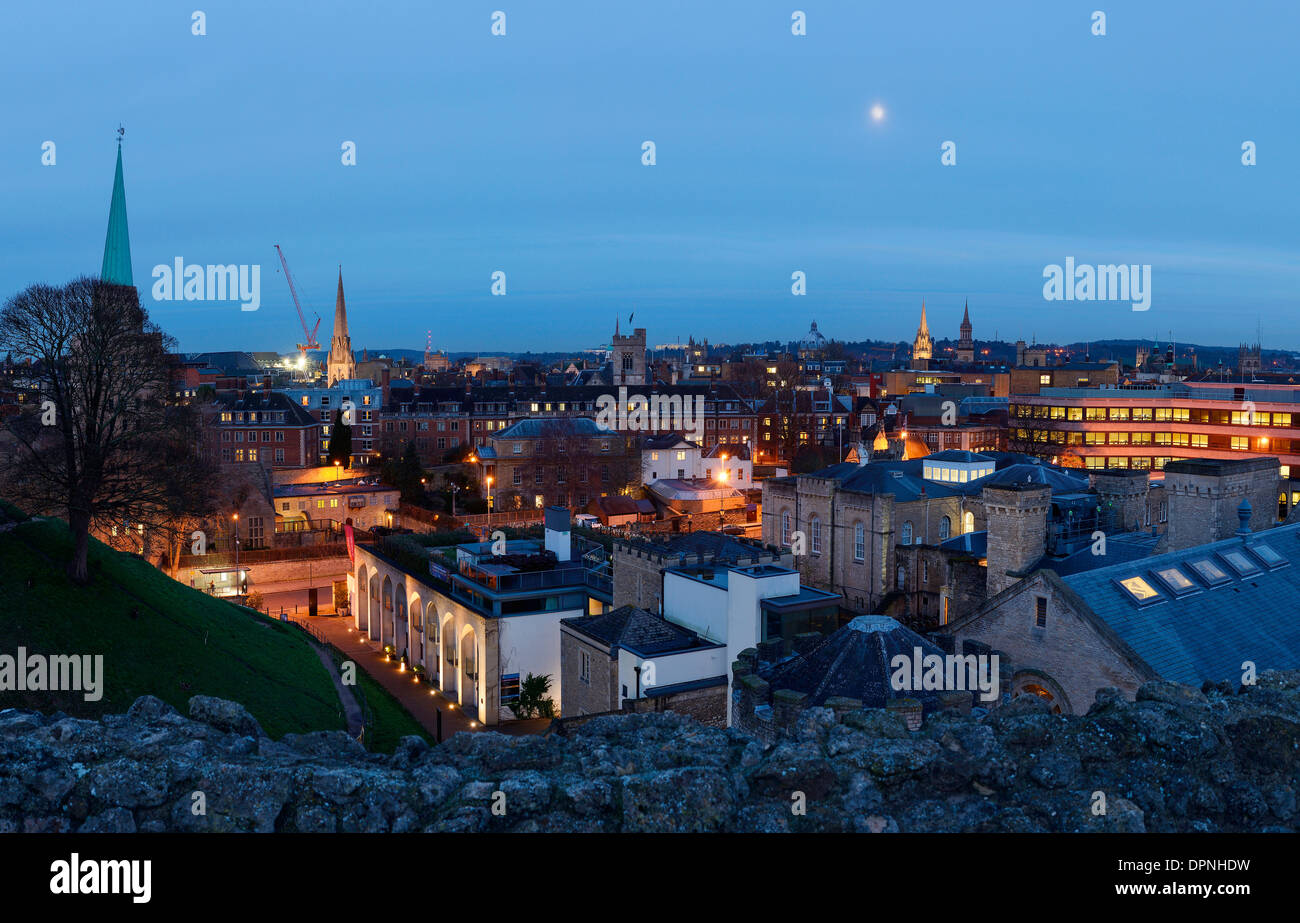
<point>1036,682</point>
<point>432,633</point>
<point>415,625</point>
<point>945,528</point>
<point>449,662</point>
<point>375,609</point>
<point>401,626</point>
<point>470,678</point>
<point>386,629</point>
<point>361,599</point>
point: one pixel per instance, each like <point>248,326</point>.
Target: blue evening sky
<point>522,153</point>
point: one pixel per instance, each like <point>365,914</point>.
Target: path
<point>420,699</point>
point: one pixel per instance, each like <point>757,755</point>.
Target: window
<point>785,528</point>
<point>968,522</point>
<point>901,576</point>
<point>859,542</point>
<point>584,666</point>
<point>1140,591</point>
<point>1040,611</point>
<point>945,528</point>
<point>906,535</point>
<point>816,535</point>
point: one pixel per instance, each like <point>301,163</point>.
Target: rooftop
<point>1199,613</point>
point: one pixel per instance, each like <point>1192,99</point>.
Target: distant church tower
<point>923,345</point>
<point>628,356</point>
<point>966,345</point>
<point>341,363</point>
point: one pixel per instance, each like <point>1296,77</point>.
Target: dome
<point>813,339</point>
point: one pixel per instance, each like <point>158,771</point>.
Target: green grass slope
<point>177,644</point>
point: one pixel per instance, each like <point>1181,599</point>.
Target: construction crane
<point>311,334</point>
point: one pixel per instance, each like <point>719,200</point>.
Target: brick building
<point>262,428</point>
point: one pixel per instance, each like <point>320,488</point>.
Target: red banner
<point>352,543</point>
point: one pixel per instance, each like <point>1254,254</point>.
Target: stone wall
<point>1203,496</point>
<point>1175,760</point>
<point>1069,655</point>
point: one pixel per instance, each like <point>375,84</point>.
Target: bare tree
<point>106,448</point>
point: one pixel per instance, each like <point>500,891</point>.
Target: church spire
<point>342,364</point>
<point>117,243</point>
<point>923,345</point>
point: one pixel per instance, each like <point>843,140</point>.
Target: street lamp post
<point>235,517</point>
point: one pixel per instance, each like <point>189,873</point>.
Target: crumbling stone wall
<point>1176,759</point>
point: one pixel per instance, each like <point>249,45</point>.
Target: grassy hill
<point>156,635</point>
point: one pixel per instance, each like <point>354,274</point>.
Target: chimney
<point>1017,530</point>
<point>556,519</point>
<point>1243,518</point>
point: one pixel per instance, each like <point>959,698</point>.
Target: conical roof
<point>117,243</point>
<point>855,661</point>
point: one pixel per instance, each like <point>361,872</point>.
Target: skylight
<point>1266,554</point>
<point>1140,591</point>
<point>1210,573</point>
<point>1243,565</point>
<point>1175,580</point>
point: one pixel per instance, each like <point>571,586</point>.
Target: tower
<point>966,343</point>
<point>341,362</point>
<point>923,345</point>
<point>628,356</point>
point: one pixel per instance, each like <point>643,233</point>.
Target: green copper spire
<point>117,245</point>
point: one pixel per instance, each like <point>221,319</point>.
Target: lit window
<point>1173,578</point>
<point>1139,590</point>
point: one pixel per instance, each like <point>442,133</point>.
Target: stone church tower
<point>627,353</point>
<point>923,345</point>
<point>341,363</point>
<point>966,343</point>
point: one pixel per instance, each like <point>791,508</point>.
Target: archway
<point>361,600</point>
<point>386,628</point>
<point>375,610</point>
<point>415,620</point>
<point>1038,683</point>
<point>449,663</point>
<point>401,631</point>
<point>469,670</point>
<point>432,654</point>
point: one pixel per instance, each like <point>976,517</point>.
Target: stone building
<point>966,342</point>
<point>629,659</point>
<point>1204,495</point>
<point>639,565</point>
<point>1197,614</point>
<point>627,353</point>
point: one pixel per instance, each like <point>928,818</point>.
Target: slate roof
<point>854,661</point>
<point>716,546</point>
<point>538,428</point>
<point>1209,632</point>
<point>637,630</point>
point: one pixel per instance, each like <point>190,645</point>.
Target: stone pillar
<point>1122,496</point>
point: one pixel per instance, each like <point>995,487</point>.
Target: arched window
<point>945,529</point>
<point>785,527</point>
<point>968,522</point>
<point>902,576</point>
<point>816,535</point>
<point>906,538</point>
<point>859,542</point>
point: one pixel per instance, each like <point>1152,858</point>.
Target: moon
<point>877,112</point>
